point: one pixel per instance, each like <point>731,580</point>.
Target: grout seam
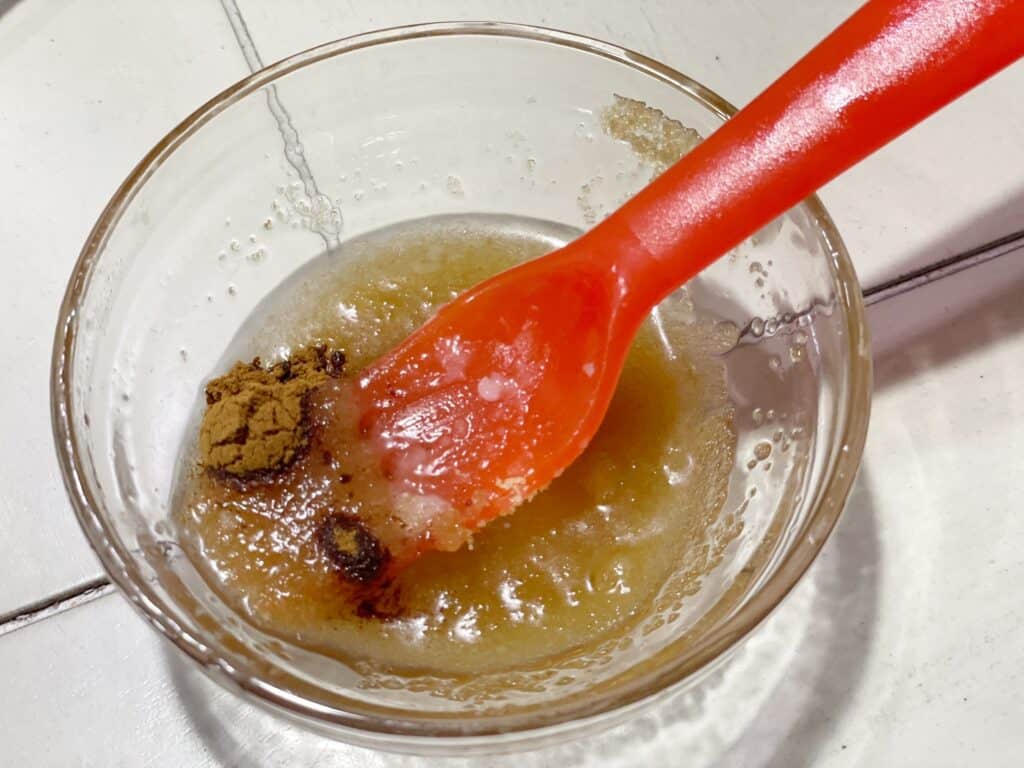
<point>948,267</point>
<point>55,604</point>
<point>294,152</point>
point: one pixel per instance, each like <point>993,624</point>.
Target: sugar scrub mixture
<point>582,563</point>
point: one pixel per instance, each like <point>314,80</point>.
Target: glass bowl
<point>395,125</point>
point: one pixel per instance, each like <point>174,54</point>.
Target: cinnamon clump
<point>255,420</point>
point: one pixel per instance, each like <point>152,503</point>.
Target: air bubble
<point>758,416</point>
<point>762,450</point>
<point>235,245</point>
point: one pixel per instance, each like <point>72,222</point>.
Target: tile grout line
<point>947,267</point>
<point>295,156</point>
<point>55,604</point>
<point>294,152</point>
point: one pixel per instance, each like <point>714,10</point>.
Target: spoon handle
<point>892,64</point>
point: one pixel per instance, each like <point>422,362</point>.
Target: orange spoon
<point>504,387</point>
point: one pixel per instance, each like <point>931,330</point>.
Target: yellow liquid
<point>579,565</point>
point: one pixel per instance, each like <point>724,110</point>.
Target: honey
<point>580,563</point>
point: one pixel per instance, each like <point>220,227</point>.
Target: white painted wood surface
<point>904,647</point>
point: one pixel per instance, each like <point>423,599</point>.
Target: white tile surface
<point>951,184</point>
<point>86,88</point>
<point>903,647</point>
<point>944,680</point>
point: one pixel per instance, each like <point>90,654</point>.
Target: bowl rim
<point>852,421</point>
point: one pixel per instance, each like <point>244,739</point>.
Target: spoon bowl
<point>491,399</point>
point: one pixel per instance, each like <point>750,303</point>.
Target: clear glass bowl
<point>395,125</point>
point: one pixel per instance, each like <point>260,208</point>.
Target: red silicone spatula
<point>493,397</point>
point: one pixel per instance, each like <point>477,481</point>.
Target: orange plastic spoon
<point>504,387</point>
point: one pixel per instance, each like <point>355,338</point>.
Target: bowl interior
<point>425,121</point>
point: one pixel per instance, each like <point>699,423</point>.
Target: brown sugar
<point>255,416</point>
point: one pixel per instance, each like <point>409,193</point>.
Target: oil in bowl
<point>562,580</point>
